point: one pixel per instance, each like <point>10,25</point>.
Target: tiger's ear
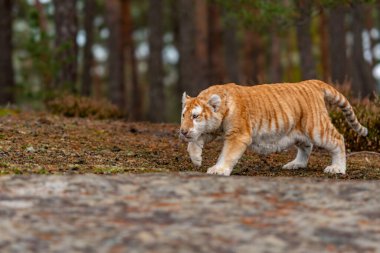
<point>215,102</point>
<point>184,98</point>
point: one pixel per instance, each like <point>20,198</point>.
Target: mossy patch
<point>83,107</point>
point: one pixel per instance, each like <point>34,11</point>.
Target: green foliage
<point>84,107</point>
<point>262,15</point>
<point>36,63</point>
<point>333,3</point>
<point>6,112</point>
<point>36,54</point>
<point>259,14</point>
<point>368,114</point>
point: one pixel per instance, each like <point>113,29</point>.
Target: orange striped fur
<point>269,118</point>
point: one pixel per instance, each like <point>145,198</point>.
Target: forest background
<point>141,55</point>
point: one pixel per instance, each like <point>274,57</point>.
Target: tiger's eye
<point>195,116</point>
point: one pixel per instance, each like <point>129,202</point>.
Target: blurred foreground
<point>187,213</point>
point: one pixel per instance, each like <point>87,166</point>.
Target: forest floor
<point>41,143</point>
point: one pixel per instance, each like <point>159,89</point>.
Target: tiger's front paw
<point>294,165</point>
<point>196,160</point>
<point>216,170</point>
<point>195,153</point>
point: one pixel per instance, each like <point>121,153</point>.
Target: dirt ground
<point>40,143</point>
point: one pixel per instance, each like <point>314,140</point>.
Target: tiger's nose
<point>184,132</point>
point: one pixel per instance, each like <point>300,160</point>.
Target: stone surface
<point>187,213</point>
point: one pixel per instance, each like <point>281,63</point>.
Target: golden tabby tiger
<point>269,118</point>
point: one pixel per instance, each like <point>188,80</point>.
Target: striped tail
<point>334,97</point>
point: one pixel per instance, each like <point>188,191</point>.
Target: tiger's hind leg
<point>302,158</point>
<point>333,142</point>
<point>338,153</point>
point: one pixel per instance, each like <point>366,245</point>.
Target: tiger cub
<point>269,118</point>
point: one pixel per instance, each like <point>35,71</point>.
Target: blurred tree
<point>174,28</point>
<point>187,47</point>
<point>135,103</point>
<point>275,68</point>
<point>254,58</point>
<point>201,44</point>
<point>88,58</point>
<point>116,57</point>
<point>324,45</point>
<point>231,48</point>
<point>44,60</point>
<point>43,22</point>
<point>304,40</point>
<point>157,105</point>
<point>337,44</point>
<point>217,66</point>
<point>6,50</point>
<point>66,28</point>
<point>363,82</point>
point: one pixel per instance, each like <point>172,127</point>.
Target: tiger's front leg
<point>232,151</point>
<point>195,152</point>
<point>195,148</point>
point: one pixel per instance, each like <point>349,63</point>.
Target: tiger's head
<point>199,116</point>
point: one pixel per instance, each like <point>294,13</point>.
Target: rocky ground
<point>181,212</point>
<point>156,201</point>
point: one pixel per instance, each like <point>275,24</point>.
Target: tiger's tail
<point>334,97</point>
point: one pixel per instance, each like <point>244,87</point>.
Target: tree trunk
<point>42,20</point>
<point>88,58</point>
<point>6,49</point>
<point>135,104</point>
<point>66,26</point>
<point>201,44</point>
<point>97,85</point>
<point>231,50</point>
<point>337,45</point>
<point>275,68</point>
<point>217,73</point>
<point>116,54</point>
<point>291,68</point>
<point>324,46</point>
<point>174,7</point>
<point>304,41</point>
<point>156,93</point>
<point>187,65</point>
<point>363,82</point>
<point>45,56</point>
<point>254,58</point>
